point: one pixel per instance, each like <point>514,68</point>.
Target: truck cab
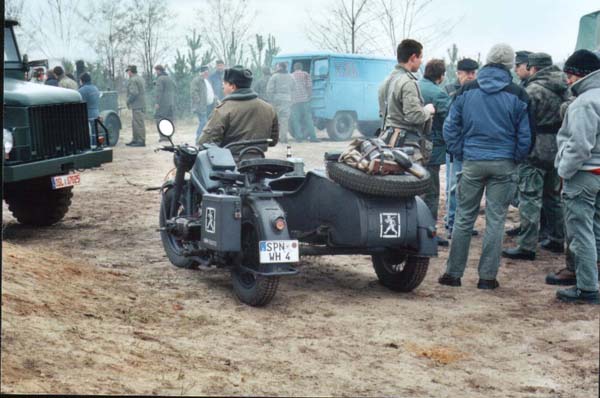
<point>45,138</point>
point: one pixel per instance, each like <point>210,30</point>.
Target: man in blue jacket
<point>488,129</point>
<point>91,96</point>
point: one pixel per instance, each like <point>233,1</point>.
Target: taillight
<point>279,224</point>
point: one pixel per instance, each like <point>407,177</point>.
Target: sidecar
<point>328,219</point>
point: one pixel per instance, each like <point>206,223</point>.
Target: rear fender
<point>425,230</point>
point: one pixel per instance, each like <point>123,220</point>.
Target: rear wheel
<point>250,288</point>
<point>35,203</point>
<point>172,244</point>
<point>341,127</point>
<point>399,272</point>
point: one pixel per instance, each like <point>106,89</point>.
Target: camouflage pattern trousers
<point>539,187</point>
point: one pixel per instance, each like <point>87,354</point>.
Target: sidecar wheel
<point>400,273</point>
<point>252,289</point>
<point>173,246</point>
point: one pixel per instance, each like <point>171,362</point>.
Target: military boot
<point>518,254</point>
<point>565,277</point>
<point>575,295</point>
<point>553,246</point>
<point>513,231</point>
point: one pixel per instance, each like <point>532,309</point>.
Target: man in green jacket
<point>406,117</point>
<point>136,101</point>
<point>164,94</point>
<point>241,115</point>
<point>435,95</point>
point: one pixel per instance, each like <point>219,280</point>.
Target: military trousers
<point>283,109</point>
<point>535,184</point>
<point>581,195</point>
<point>138,127</point>
<point>302,122</point>
<point>495,178</point>
<point>432,196</point>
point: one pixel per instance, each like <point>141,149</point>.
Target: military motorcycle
<point>232,207</point>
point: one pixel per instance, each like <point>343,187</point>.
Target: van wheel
<point>341,127</point>
<point>398,272</point>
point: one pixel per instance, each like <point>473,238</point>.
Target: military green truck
<point>46,141</point>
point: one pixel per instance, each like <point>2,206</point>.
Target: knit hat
<point>581,63</point>
<point>501,54</point>
<point>241,77</point>
<point>521,57</point>
<point>539,60</point>
<point>467,64</point>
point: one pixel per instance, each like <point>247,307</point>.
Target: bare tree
<point>403,19</point>
<point>13,9</point>
<point>151,20</point>
<point>226,28</point>
<point>345,28</point>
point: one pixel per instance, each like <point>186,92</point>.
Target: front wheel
<point>341,127</point>
<point>173,245</point>
<point>250,288</point>
<point>400,273</point>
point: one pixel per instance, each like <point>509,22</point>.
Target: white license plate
<point>68,180</point>
<point>278,251</point>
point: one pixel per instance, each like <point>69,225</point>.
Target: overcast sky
<point>536,25</point>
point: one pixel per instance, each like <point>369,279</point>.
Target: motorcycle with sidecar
<point>258,216</point>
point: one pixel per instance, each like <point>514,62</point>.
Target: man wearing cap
<point>521,70</point>
<point>466,72</point>
<point>578,162</point>
<point>216,79</point>
<point>199,100</point>
<point>136,101</point>
<point>164,95</point>
<point>241,115</point>
<point>488,129</point>
<point>279,90</point>
<point>547,90</point>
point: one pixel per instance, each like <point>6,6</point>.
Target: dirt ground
<point>92,306</point>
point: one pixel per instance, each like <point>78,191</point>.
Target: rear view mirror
<point>166,127</point>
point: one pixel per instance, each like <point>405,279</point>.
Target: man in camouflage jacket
<point>538,178</point>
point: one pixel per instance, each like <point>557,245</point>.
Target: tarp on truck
<point>589,32</point>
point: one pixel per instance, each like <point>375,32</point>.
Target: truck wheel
<point>341,127</point>
<point>113,125</point>
<point>398,186</point>
<point>35,203</point>
<point>400,273</point>
<point>172,245</point>
<point>252,289</point>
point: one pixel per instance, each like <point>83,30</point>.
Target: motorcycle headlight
<point>7,139</point>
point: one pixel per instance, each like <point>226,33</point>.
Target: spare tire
<point>398,186</point>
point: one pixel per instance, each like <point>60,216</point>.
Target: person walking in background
<point>302,122</point>
<point>216,79</point>
<point>488,129</point>
<point>547,90</point>
<point>280,90</point>
<point>260,85</point>
<point>199,97</point>
<point>578,163</point>
<point>466,71</point>
<point>433,94</point>
<point>136,101</point>
<point>63,80</point>
<point>164,96</point>
<point>91,96</point>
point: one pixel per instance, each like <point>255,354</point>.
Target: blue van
<point>344,90</point>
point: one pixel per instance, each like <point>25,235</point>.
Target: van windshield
<point>10,47</point>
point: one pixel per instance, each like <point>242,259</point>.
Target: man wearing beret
<point>578,162</point>
<point>136,101</point>
<point>466,71</point>
<point>538,179</point>
<point>241,115</point>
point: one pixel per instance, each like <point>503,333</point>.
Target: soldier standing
<point>547,90</point>
<point>136,101</point>
<point>466,71</point>
<point>521,70</point>
<point>401,102</point>
<point>199,96</point>
<point>279,90</point>
<point>241,115</point>
<point>164,95</point>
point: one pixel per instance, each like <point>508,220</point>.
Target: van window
<point>304,62</point>
<point>321,68</point>
<point>346,69</point>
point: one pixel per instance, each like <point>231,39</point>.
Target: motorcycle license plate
<point>65,181</point>
<point>278,251</point>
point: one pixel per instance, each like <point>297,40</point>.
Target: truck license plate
<point>65,181</point>
<point>279,251</point>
